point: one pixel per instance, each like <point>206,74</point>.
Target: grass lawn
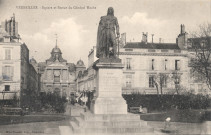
<point>187,116</point>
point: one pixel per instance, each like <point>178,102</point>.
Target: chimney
<point>10,26</point>
<point>152,37</point>
<point>182,29</point>
<point>182,38</point>
<point>144,37</point>
<point>13,22</point>
<point>5,25</point>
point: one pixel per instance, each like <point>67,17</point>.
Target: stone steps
<point>114,130</point>
<point>110,117</point>
<point>65,130</point>
<point>120,123</point>
<point>105,130</point>
<point>109,124</point>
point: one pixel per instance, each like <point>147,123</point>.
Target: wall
<point>141,68</point>
<point>13,62</point>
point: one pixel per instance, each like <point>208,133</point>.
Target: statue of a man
<point>106,35</point>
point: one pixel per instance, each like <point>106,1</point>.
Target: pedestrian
<point>140,109</point>
<point>167,123</point>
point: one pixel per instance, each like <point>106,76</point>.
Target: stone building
<point>57,75</point>
<point>151,68</point>
<point>147,64</point>
<point>86,79</point>
<point>17,76</point>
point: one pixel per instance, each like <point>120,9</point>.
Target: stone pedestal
<point>109,98</point>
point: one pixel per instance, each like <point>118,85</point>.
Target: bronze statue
<point>106,36</point>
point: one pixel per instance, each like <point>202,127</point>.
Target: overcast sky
<point>77,28</point>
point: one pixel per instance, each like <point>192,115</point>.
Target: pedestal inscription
<point>109,98</point>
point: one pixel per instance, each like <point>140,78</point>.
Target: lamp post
<point>3,93</point>
<point>177,84</point>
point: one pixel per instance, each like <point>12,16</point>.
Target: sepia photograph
<point>105,67</point>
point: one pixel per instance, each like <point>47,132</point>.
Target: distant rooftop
<point>144,45</point>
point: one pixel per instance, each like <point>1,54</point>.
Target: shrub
<point>165,102</point>
<point>53,102</point>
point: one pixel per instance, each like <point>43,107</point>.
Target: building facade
<point>86,79</point>
<point>149,64</point>
<point>57,75</point>
<point>18,78</point>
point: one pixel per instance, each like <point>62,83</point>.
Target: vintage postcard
<point>105,67</point>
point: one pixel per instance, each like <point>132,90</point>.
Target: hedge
<point>165,102</point>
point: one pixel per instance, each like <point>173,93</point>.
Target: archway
<point>57,91</point>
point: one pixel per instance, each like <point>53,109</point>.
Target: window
<point>49,75</point>
<point>7,54</point>
<point>64,74</point>
<point>129,81</point>
<point>128,63</point>
<point>7,72</point>
<point>56,78</point>
<point>153,64</point>
<point>177,64</point>
<point>7,88</point>
<point>151,81</point>
<point>165,64</point>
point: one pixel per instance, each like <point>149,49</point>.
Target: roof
<point>56,50</point>
<point>42,66</point>
<point>80,63</point>
<point>71,67</point>
<point>151,45</point>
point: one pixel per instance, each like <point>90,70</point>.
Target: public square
<point>88,67</point>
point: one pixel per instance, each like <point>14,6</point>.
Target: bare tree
<point>176,77</point>
<point>160,81</point>
<point>200,44</point>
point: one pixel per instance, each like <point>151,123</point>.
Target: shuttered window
<point>151,81</point>
<point>7,72</point>
<point>128,63</point>
<point>7,54</point>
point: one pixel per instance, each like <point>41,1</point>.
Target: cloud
<point>140,22</point>
<point>143,19</point>
<point>71,37</point>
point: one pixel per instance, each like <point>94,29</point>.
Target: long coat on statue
<point>106,37</point>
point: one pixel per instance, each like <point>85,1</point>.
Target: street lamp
<point>3,93</point>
